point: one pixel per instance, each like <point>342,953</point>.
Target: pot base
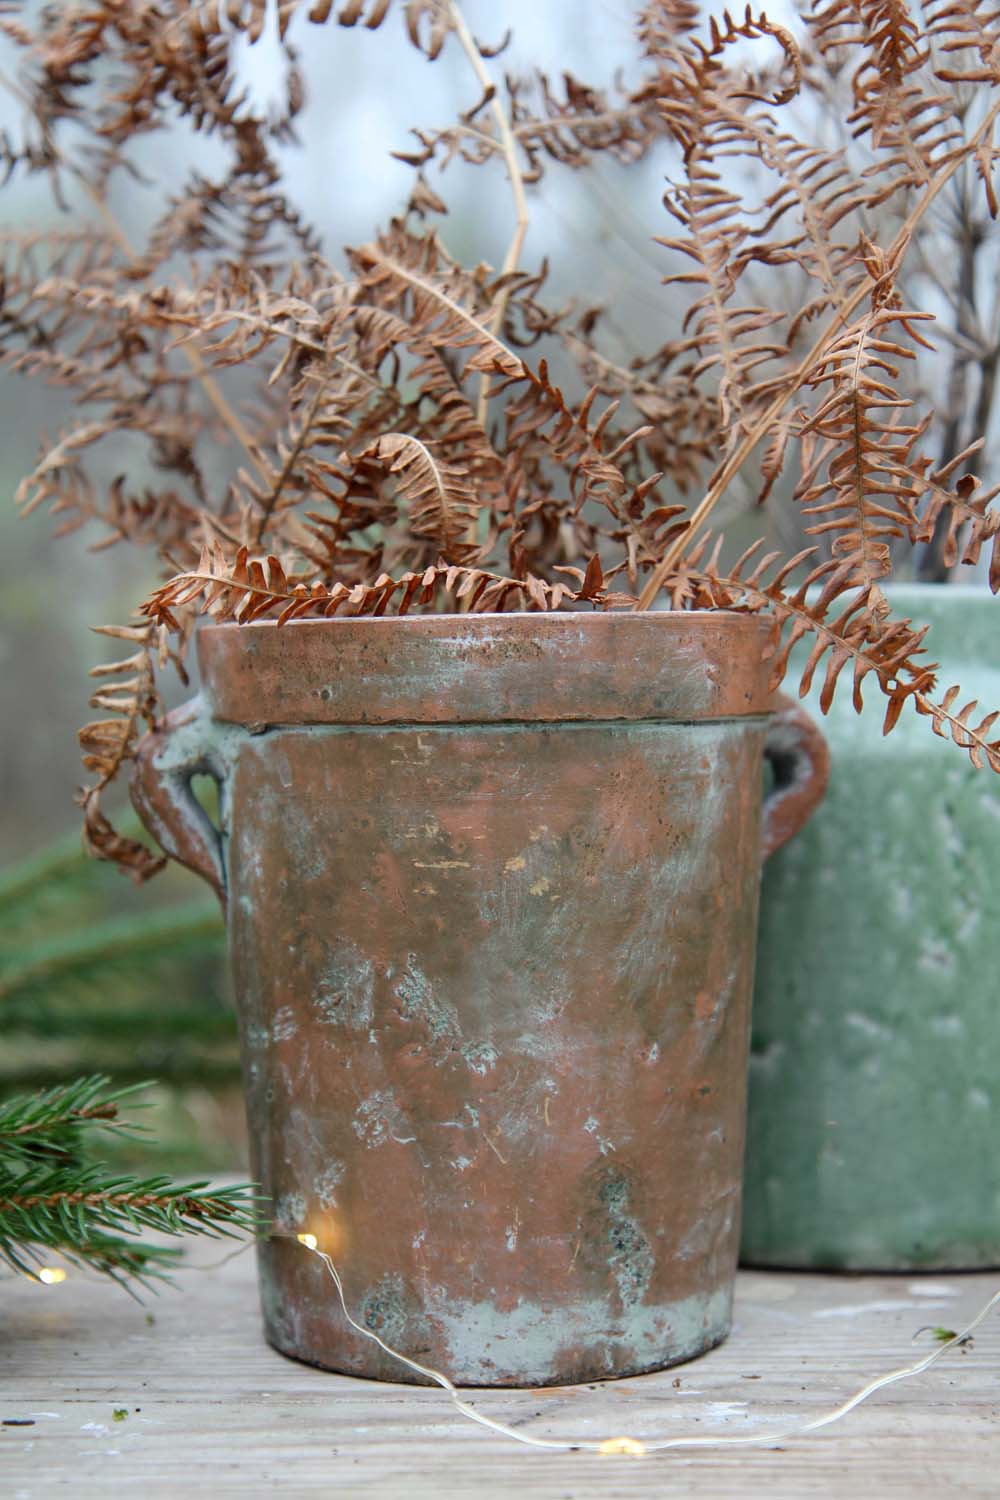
<point>527,1348</point>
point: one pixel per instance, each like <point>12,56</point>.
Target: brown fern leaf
<point>680,417</point>
<point>455,427</point>
<point>965,506</point>
<point>703,103</point>
<point>356,358</point>
<point>413,277</point>
<point>773,461</point>
<point>590,459</point>
<point>865,495</point>
<point>584,122</point>
<point>57,476</point>
<point>210,18</point>
<point>958,27</point>
<point>960,725</point>
<point>887,32</point>
<point>417,282</point>
<point>242,217</point>
<point>320,417</point>
<point>128,694</point>
<point>567,129</point>
<point>436,494</point>
<point>911,123</point>
<point>815,193</point>
<point>661,24</point>
<point>428,22</point>
<point>251,589</point>
<point>860,635</point>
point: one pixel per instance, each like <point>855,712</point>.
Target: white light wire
<point>635,1446</point>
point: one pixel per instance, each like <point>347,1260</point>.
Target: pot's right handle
<point>800,760</point>
<point>166,760</point>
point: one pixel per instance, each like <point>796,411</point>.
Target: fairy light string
<point>623,1446</point>
<point>629,1446</point>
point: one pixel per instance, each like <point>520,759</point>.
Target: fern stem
<point>508,146</point>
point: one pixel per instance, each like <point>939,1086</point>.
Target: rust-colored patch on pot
<point>493,978</point>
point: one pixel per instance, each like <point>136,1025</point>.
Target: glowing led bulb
<point>51,1275</point>
<point>632,1446</point>
<point>309,1240</point>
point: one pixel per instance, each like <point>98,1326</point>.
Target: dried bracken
<point>415,433</point>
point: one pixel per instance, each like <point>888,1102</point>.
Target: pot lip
<point>673,665</point>
<point>498,617</point>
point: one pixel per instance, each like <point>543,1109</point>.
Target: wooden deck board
<point>214,1411</point>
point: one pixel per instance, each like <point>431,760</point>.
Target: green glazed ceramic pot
<point>875,1066</point>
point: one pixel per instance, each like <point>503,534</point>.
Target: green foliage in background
<point>96,976</point>
<point>52,1198</point>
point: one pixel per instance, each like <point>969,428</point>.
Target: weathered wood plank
<point>212,1410</point>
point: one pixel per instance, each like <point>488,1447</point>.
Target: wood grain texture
<point>214,1411</point>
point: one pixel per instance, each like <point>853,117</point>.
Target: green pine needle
<point>52,1123</point>
<point>51,1200</point>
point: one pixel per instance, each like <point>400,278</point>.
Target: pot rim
<point>731,616</point>
<point>665,665</point>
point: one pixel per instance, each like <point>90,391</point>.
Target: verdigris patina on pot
<point>492,896</point>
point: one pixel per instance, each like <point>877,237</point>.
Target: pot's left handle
<point>800,760</point>
<point>166,760</point>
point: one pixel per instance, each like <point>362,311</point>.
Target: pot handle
<point>800,760</point>
<point>166,760</point>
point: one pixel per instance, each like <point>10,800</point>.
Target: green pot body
<point>875,1065</point>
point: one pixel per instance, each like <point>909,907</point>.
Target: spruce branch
<point>51,1200</point>
<point>52,1122</point>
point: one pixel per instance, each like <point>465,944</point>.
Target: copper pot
<point>491,886</point>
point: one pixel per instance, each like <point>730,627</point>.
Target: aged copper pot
<point>492,892</point>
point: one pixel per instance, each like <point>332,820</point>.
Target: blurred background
<point>94,973</point>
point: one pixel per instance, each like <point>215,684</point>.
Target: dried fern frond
<point>413,432</point>
<point>548,128</point>
<point>436,495</point>
<point>129,696</point>
<point>865,498</point>
<point>411,276</point>
<point>911,122</point>
<point>970,524</point>
<point>254,589</point>
<point>958,27</point>
<point>857,633</point>
<point>703,104</point>
<point>963,726</point>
